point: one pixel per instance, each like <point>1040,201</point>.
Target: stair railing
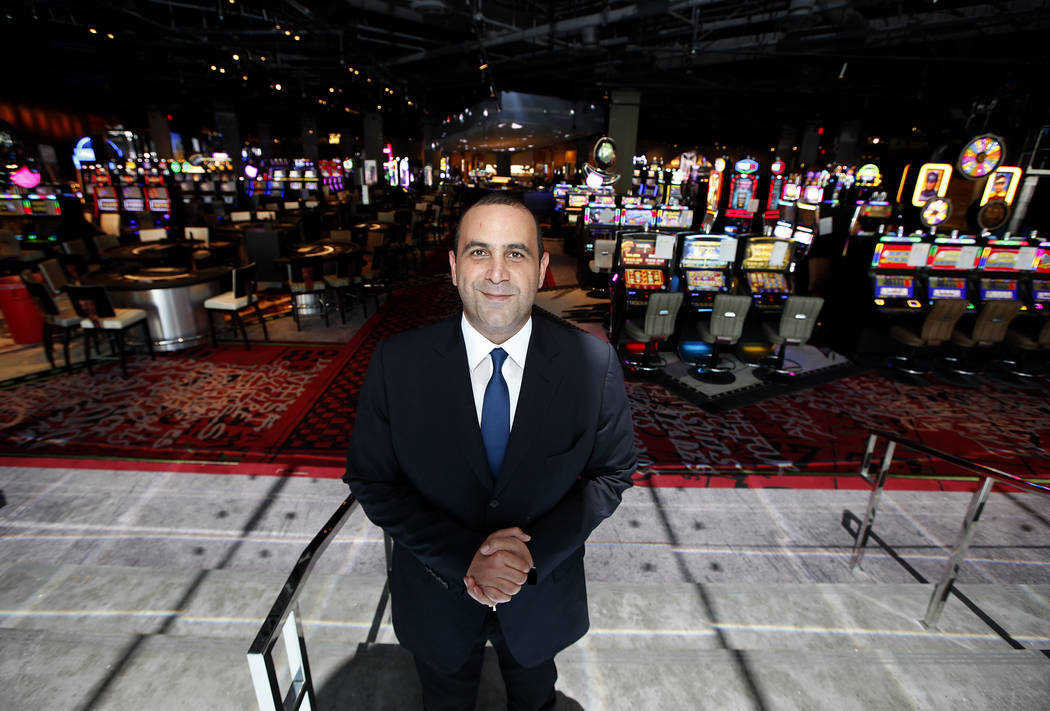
<point>285,621</point>
<point>988,477</point>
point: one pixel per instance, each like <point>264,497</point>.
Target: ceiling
<point>708,70</point>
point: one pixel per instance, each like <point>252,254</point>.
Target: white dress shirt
<point>479,361</point>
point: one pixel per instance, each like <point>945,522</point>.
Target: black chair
<point>345,281</point>
<point>97,315</point>
<point>241,295</point>
<point>306,277</point>
<point>54,274</point>
<point>57,314</point>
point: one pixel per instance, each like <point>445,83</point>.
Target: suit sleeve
<point>596,494</point>
<point>388,497</point>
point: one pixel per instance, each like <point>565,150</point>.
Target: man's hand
<point>500,567</point>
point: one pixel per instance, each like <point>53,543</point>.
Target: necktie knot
<point>495,413</point>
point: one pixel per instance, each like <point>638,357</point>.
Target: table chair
<point>241,216</point>
<point>57,314</point>
<point>109,222</point>
<point>54,275</point>
<point>306,276</point>
<point>97,315</point>
<point>241,295</point>
<point>153,234</point>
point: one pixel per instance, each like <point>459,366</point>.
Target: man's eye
<point>478,253</point>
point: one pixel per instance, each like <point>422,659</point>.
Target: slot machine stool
<point>989,330</point>
<point>935,330</point>
<point>795,329</point>
<point>724,329</point>
<point>1031,343</point>
<point>660,317</point>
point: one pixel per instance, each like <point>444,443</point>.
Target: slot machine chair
<point>602,266</point>
<point>661,316</point>
<point>935,330</point>
<point>724,329</point>
<point>241,295</point>
<point>97,314</point>
<point>989,330</point>
<point>795,329</point>
<point>54,275</point>
<point>57,314</point>
<point>306,277</point>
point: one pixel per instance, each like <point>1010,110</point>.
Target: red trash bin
<point>21,315</point>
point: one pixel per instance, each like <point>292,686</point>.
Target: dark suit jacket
<point>417,464</point>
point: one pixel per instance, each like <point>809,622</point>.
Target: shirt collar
<point>479,347</point>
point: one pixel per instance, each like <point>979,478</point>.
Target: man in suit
<point>489,445</point>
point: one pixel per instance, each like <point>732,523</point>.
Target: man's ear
<point>452,266</point>
<point>544,262</point>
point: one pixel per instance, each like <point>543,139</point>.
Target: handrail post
<point>873,499</point>
<point>944,588</point>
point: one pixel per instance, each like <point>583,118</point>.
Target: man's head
<point>498,265</point>
<point>1000,183</point>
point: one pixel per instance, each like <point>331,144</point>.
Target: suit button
<point>494,504</point>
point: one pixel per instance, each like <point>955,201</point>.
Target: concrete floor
<point>144,589</point>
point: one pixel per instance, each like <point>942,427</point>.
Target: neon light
<point>25,178</point>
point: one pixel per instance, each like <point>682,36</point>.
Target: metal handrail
<point>988,477</point>
<point>284,620</point>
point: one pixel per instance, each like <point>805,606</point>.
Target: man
<point>489,479</point>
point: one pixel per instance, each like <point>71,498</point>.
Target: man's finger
<point>509,555</point>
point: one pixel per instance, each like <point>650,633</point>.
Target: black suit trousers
<point>528,688</point>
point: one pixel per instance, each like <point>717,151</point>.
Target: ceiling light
<point>277,87</point>
<point>262,58</point>
<point>222,70</point>
<point>296,38</point>
<point>484,66</point>
<point>109,34</point>
<point>277,27</point>
<point>515,125</point>
<point>213,67</point>
<point>379,106</point>
<point>331,90</point>
<point>236,57</point>
<point>244,77</point>
<point>92,30</point>
<point>287,33</point>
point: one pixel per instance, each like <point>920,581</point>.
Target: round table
<point>173,299</point>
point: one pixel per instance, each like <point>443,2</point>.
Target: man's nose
<point>498,269</point>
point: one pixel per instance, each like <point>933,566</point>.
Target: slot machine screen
<point>158,199</point>
<point>1041,290</point>
<point>603,200</point>
<point>742,190</point>
<point>207,186</point>
<point>643,278</point>
<point>998,290</point>
<point>228,187</point>
<point>803,236</point>
<point>892,256</point>
<point>702,253</point>
<point>813,194</point>
<point>894,287</point>
<point>705,280</point>
<point>1000,259</point>
<point>578,200</point>
<point>639,251</point>
<point>630,201</point>
<point>107,198</point>
<point>876,210</point>
<point>947,288</point>
<point>952,257</point>
<point>767,282</point>
<point>561,190</point>
<point>792,192</point>
<point>767,254</point>
<point>133,200</point>
<point>636,217</point>
<point>782,230</point>
<point>600,215</point>
<point>674,219</point>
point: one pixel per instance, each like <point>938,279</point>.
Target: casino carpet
<point>288,409</point>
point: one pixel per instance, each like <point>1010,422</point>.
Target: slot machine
<point>576,201</point>
<point>776,188</point>
<point>643,265</point>
<point>766,271</point>
<point>600,221</point>
<point>743,198</point>
<point>561,196</point>
<point>637,217</point>
<point>712,206</point>
<point>998,197</point>
<point>951,262</point>
<point>1035,283</point>
<point>999,270</point>
<point>897,274</point>
<point>228,191</point>
<point>789,198</point>
<point>807,220</point>
<point>706,268</point>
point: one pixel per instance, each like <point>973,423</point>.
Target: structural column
<point>623,129</point>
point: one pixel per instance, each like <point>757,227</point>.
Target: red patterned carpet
<point>288,410</point>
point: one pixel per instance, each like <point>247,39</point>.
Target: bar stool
<point>240,296</point>
<point>97,314</point>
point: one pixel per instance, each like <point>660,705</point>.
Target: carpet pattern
<point>295,403</point>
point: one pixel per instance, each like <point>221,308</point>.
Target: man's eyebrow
<point>520,246</point>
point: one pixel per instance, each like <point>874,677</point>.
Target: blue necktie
<point>495,413</point>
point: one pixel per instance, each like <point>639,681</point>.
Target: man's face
<point>497,269</point>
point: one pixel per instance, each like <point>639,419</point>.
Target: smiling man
<point>489,445</point>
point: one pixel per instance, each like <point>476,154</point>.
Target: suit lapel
<point>538,385</point>
<point>456,397</point>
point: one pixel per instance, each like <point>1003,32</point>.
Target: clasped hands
<point>500,567</point>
